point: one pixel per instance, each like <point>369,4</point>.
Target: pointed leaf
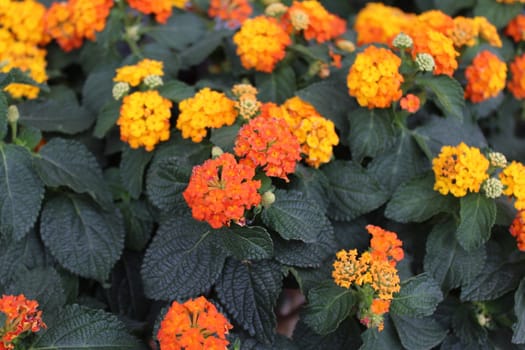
<point>518,336</point>
<point>202,48</point>
<point>15,256</point>
<point>418,297</point>
<point>419,333</point>
<point>247,243</point>
<point>447,91</point>
<point>371,132</point>
<point>176,90</point>
<point>132,166</point>
<point>107,118</point>
<point>386,339</point>
<point>276,86</point>
<point>180,31</point>
<point>477,216</point>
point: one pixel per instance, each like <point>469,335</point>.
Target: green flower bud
<point>216,151</point>
<point>153,81</point>
<point>425,62</point>
<point>267,199</point>
<point>120,90</point>
<point>403,41</point>
<point>497,159</point>
<point>493,188</point>
<point>13,114</point>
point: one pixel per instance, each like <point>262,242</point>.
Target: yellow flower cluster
<point>144,119</point>
<point>459,169</point>
<point>374,78</point>
<point>513,178</point>
<point>21,35</point>
<point>207,109</point>
<point>135,74</point>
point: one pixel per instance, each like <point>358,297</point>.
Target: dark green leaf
<point>499,14</point>
<point>107,118</point>
<point>83,238</point>
<point>328,305</point>
<point>295,217</point>
<point>477,216</point>
<point>97,90</point>
<point>386,339</point>
<point>277,86</point>
<point>21,191</point>
<point>180,31</point>
<point>313,183</point>
<point>466,326</point>
<point>419,333</point>
<point>202,48</point>
<point>69,163</point>
<point>247,243</point>
<point>79,327</point>
<point>138,222</point>
<point>449,264</point>
<point>182,260</point>
<point>29,137</point>
<point>16,75</point>
<point>249,292</point>
<point>418,297</point>
<point>132,167</point>
<point>3,115</point>
<point>345,337</point>
<point>416,201</point>
<point>166,180</point>
<point>371,132</point>
<point>447,91</point>
<point>450,7</point>
<point>518,336</point>
<point>353,192</point>
<point>176,90</point>
<point>225,137</point>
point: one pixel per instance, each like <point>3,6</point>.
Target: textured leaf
<point>83,238</point>
<point>295,217</point>
<point>225,137</point>
<point>313,183</point>
<point>447,91</point>
<point>386,339</point>
<point>202,48</point>
<point>107,118</point>
<point>3,115</point>
<point>449,264</point>
<point>97,89</point>
<point>499,14</point>
<point>518,336</point>
<point>249,292</point>
<point>82,328</point>
<point>419,333</point>
<point>182,261</point>
<point>176,90</point>
<point>466,326</point>
<point>353,192</point>
<point>138,221</point>
<point>477,216</point>
<point>277,86</point>
<point>21,192</point>
<point>180,31</point>
<point>247,243</point>
<point>371,132</point>
<point>328,305</point>
<point>132,166</point>
<point>16,75</point>
<point>69,163</point>
<point>418,297</point>
<point>29,137</point>
<point>416,201</point>
<point>345,337</point>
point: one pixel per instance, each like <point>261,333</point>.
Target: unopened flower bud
<point>497,159</point>
<point>248,106</point>
<point>275,10</point>
<point>493,188</point>
<point>425,62</point>
<point>345,45</point>
<point>299,19</point>
<point>267,199</point>
<point>244,89</point>
<point>120,90</point>
<point>153,81</point>
<point>402,41</point>
<point>13,114</point>
<point>216,151</point>
<point>132,32</point>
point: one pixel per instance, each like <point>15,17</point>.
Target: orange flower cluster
<point>320,25</point>
<point>467,30</point>
<point>437,21</point>
<point>193,325</point>
<point>374,78</point>
<point>69,23</point>
<point>220,190</point>
<point>517,229</point>
<point>488,31</point>
<point>160,8</point>
<point>21,37</point>
<point>261,43</point>
<point>517,83</point>
<point>410,103</point>
<point>486,77</point>
<point>513,178</point>
<point>207,109</point>
<point>136,73</point>
<point>269,143</point>
<point>438,45</point>
<point>233,12</point>
<point>22,316</point>
<point>516,28</point>
<point>459,169</point>
<point>373,274</point>
<point>512,1</point>
<point>144,119</point>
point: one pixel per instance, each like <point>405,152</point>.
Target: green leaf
<point>499,14</point>
<point>518,336</point>
<point>132,167</point>
<point>202,48</point>
<point>386,339</point>
<point>138,222</point>
<point>447,93</point>
<point>176,90</point>
<point>295,217</point>
<point>371,132</point>
<point>225,137</point>
<point>29,137</point>
<point>277,86</point>
<point>83,238</point>
<point>3,115</point>
<point>466,326</point>
<point>451,7</point>
<point>313,183</point>
<point>418,297</point>
<point>477,216</point>
<point>328,305</point>
<point>353,192</point>
<point>345,337</point>
<point>107,118</point>
<point>79,327</point>
<point>97,89</point>
<point>180,31</point>
<point>60,112</point>
<point>419,333</point>
<point>449,264</point>
<point>16,75</point>
<point>249,292</point>
<point>416,201</point>
<point>182,261</point>
<point>247,243</point>
<point>62,162</point>
<point>21,192</point>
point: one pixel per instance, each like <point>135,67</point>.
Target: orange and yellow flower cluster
<point>459,169</point>
<point>517,229</point>
<point>232,12</point>
<point>193,325</point>
<point>221,190</point>
<point>136,73</point>
<point>513,179</point>
<point>373,274</point>
<point>21,318</point>
<point>517,83</point>
<point>162,9</point>
<point>486,77</point>
<point>516,28</point>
